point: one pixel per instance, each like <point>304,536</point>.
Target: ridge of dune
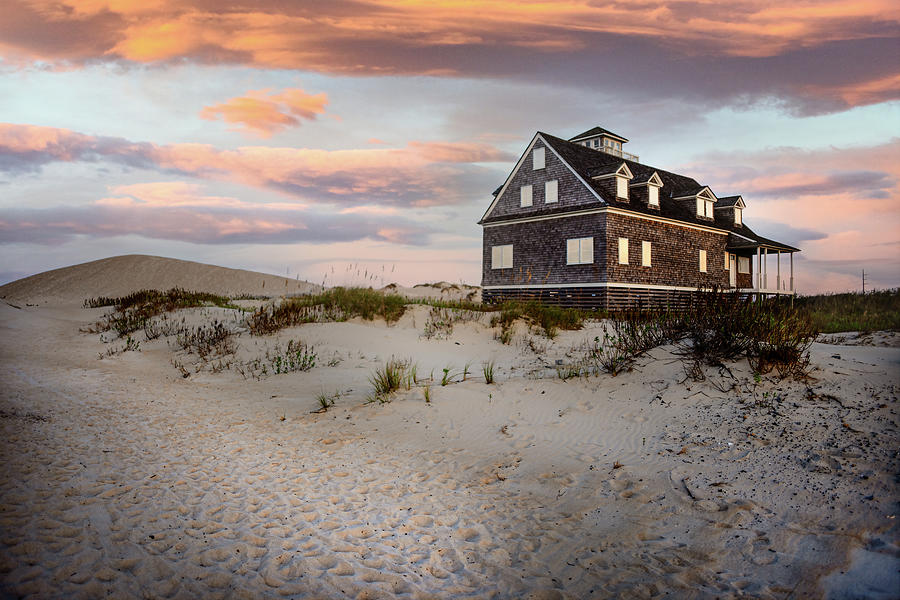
<point>122,275</point>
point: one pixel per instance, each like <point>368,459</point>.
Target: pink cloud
<point>420,174</point>
<point>182,211</point>
<point>263,113</point>
<point>840,205</point>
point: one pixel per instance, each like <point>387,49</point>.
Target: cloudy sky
<point>333,139</point>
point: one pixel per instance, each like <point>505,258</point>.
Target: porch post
<point>758,268</point>
<point>792,271</point>
<point>765,268</point>
<point>778,260</point>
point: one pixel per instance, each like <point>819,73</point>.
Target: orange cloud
<point>264,114</point>
<point>531,39</point>
<point>273,34</point>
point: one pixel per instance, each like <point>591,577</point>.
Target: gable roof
<point>729,201</point>
<point>587,163</point>
<point>594,132</point>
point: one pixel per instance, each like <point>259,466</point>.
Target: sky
<point>357,142</point>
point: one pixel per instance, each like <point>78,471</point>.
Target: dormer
<point>604,140</point>
<point>704,200</point>
<point>614,180</point>
<point>646,189</point>
<point>730,209</point>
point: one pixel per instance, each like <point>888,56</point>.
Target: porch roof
<point>748,240</point>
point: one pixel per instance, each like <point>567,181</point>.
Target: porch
<point>764,282</point>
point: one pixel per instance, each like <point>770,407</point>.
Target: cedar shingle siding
<point>588,207</point>
<point>572,193</point>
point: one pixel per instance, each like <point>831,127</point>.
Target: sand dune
<point>123,478</point>
<point>121,275</point>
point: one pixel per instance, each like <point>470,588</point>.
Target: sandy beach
<point>124,478</point>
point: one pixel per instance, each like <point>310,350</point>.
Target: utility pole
<point>864,281</point>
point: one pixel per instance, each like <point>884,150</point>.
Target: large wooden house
<point>580,222</point>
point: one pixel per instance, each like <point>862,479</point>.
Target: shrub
<point>296,356</point>
<point>207,340</point>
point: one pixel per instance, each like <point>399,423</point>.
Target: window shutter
<point>700,207</point>
<point>646,250</point>
<point>587,250</point>
<point>572,252</point>
<point>551,191</point>
<point>508,256</point>
<point>621,187</point>
<point>525,196</point>
<point>727,259</point>
<point>537,159</point>
<point>737,216</point>
<point>653,195</point>
<point>703,261</point>
<point>623,251</point>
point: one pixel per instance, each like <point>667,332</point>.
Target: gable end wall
<point>571,191</point>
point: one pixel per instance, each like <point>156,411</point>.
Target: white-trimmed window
<point>525,196</point>
<point>705,207</point>
<point>737,215</point>
<point>743,264</point>
<point>653,195</point>
<point>502,257</point>
<point>537,159</point>
<point>646,251</point>
<point>727,261</point>
<point>623,251</point>
<point>621,187</point>
<point>551,191</point>
<point>703,261</point>
<point>580,251</point>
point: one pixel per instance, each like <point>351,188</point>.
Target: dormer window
<point>623,176</point>
<point>737,215</point>
<point>653,185</point>
<point>706,200</point>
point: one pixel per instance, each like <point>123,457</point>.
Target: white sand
<point>122,478</point>
<point>121,275</point>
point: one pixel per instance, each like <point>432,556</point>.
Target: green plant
<point>446,378</point>
<point>131,345</point>
<point>326,400</point>
<point>487,368</point>
<point>426,392</point>
<point>387,379</point>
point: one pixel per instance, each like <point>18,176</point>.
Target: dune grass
<point>835,313</point>
<point>336,304</point>
<point>134,311</point>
